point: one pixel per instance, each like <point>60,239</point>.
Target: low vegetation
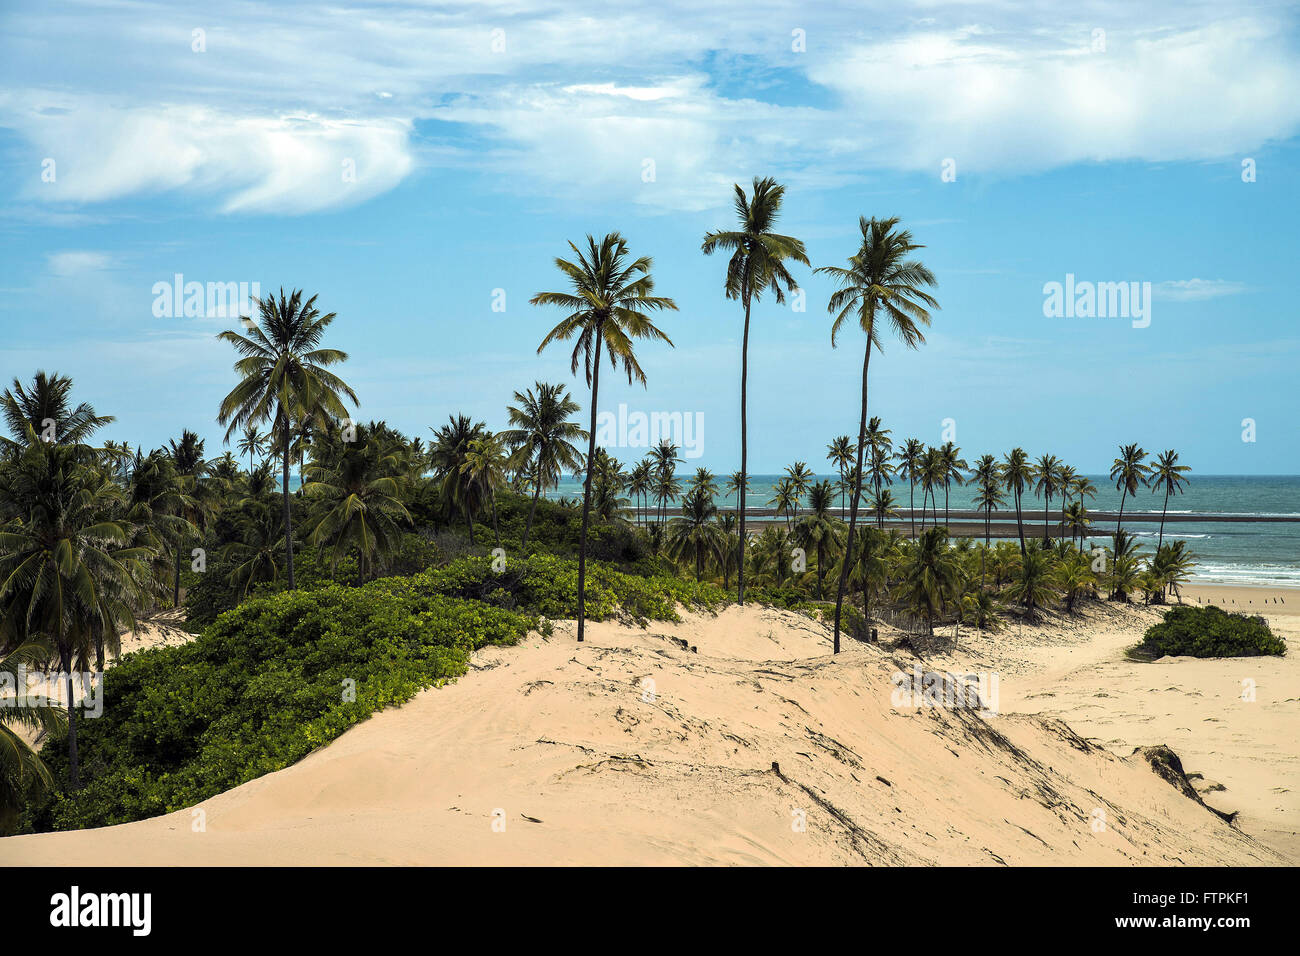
<point>1208,631</point>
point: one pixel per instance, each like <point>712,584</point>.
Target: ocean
<point>1259,553</point>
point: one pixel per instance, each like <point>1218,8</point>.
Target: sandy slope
<point>751,726</point>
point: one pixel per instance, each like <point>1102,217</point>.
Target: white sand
<point>585,768</point>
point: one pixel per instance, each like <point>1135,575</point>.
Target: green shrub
<point>1208,632</point>
<point>259,690</point>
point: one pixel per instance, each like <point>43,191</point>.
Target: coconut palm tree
<point>952,469</point>
<point>1017,473</point>
<point>840,453</point>
<point>818,529</point>
<point>285,378</point>
<point>757,263</point>
<point>640,482</point>
<point>694,534</point>
<point>882,506</point>
<point>609,309</point>
<point>543,439</point>
<point>187,458</point>
<point>667,487</point>
<point>1065,479</point>
<point>1128,472</point>
<point>909,466</point>
<point>66,577</point>
<point>1034,587</point>
<point>705,479</point>
<point>1077,520</point>
<point>737,484</point>
<point>447,455</point>
<point>46,406</point>
<point>1166,474</point>
<point>484,468</point>
<point>930,576</point>
<point>800,481</point>
<point>784,499</point>
<point>359,485</point>
<point>932,475</point>
<point>988,497</point>
<point>1048,472</point>
<point>251,443</point>
<point>881,280</point>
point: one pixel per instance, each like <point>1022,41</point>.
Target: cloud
<point>1196,290</point>
<point>74,263</point>
<point>265,118</point>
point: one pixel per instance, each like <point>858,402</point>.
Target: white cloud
<point>1195,290</point>
<point>74,263</point>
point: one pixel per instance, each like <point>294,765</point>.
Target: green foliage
<point>259,690</point>
<point>1208,632</point>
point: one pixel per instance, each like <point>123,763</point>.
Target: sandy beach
<point>738,739</point>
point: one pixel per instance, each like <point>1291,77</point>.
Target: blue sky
<point>1115,156</point>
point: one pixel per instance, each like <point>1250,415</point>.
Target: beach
<point>738,739</point>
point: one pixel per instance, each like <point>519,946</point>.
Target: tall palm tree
<point>1017,472</point>
<point>640,482</point>
<point>1077,520</point>
<point>840,453</point>
<point>665,458</point>
<point>284,377</point>
<point>784,499</point>
<point>1167,474</point>
<point>1048,472</point>
<point>446,456</point>
<point>988,497</point>
<point>609,309</point>
<point>932,475</point>
<point>952,470</point>
<point>757,263</point>
<point>485,468</point>
<point>1065,477</point>
<point>187,457</point>
<point>737,484</point>
<point>46,405</point>
<point>909,466</point>
<point>1128,472</point>
<point>881,278</point>
<point>543,438</point>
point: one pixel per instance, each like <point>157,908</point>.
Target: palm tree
<point>1049,481</point>
<point>695,534</point>
<point>800,481</point>
<point>187,457</point>
<point>817,528</point>
<point>284,377</point>
<point>882,506</point>
<point>909,465</point>
<point>1034,587</point>
<point>988,497</point>
<point>252,443</point>
<point>757,263</point>
<point>930,576</point>
<point>484,469</point>
<point>1066,476</point>
<point>667,487</point>
<point>20,765</point>
<point>543,438</point>
<point>932,475</point>
<point>840,453</point>
<point>608,310</point>
<point>952,468</point>
<point>1017,473</point>
<point>784,499</point>
<point>737,484</point>
<point>447,456</point>
<point>1128,472</point>
<point>880,278</point>
<point>640,483</point>
<point>360,486</point>
<point>47,407</point>
<point>704,479</point>
<point>65,576</point>
<point>1077,520</point>
<point>1166,473</point>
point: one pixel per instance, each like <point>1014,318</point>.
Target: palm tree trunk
<point>853,502</point>
<point>1163,511</point>
<point>74,766</point>
<point>586,487</point>
<point>744,448</point>
<point>946,520</point>
<point>1020,526</point>
<point>528,525</point>
<point>288,515</point>
<point>1047,507</point>
<point>911,505</point>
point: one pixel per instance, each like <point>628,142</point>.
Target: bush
<point>1208,632</point>
<point>258,691</point>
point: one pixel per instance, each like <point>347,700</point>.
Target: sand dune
<point>554,752</point>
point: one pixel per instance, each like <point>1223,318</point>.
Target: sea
<point>1250,553</point>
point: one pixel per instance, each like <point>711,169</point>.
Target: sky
<point>419,166</point>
